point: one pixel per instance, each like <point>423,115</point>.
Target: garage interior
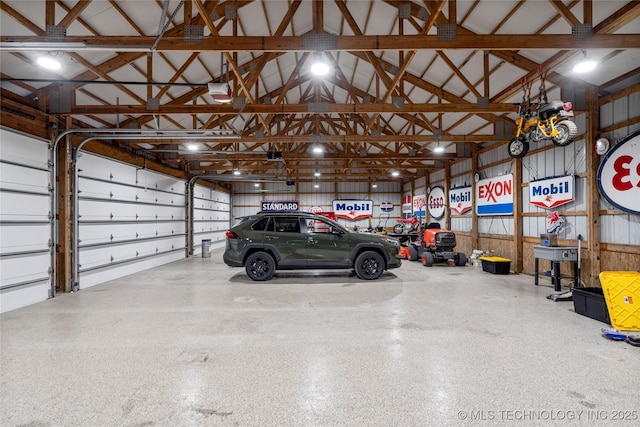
<point>166,121</point>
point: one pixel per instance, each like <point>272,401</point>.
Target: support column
<point>593,208</point>
<point>517,216</point>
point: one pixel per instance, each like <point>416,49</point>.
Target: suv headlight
<point>391,241</point>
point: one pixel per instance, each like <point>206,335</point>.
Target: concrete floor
<point>196,343</point>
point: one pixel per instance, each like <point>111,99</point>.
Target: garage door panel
<point>24,207</point>
<point>120,252</point>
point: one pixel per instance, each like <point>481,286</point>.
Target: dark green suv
<point>266,242</point>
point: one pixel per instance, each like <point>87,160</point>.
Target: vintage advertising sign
<point>460,200</point>
<point>551,192</point>
<point>435,202</point>
<point>494,196</point>
<point>353,209</point>
<point>279,205</point>
<point>420,205</point>
<point>406,210</point>
<point>386,206</point>
<point>619,175</point>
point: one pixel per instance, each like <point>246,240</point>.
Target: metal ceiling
<point>405,75</point>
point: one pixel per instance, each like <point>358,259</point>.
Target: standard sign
<point>460,200</point>
<point>353,209</point>
<point>551,192</point>
<point>619,175</point>
<point>436,202</point>
<point>494,196</point>
<point>279,205</point>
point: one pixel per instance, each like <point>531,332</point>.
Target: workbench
<point>556,254</point>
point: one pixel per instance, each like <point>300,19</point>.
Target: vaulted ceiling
<point>405,76</point>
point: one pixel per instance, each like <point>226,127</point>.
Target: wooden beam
<point>229,44</point>
<point>303,108</point>
<point>74,13</point>
<point>593,208</point>
<point>565,12</point>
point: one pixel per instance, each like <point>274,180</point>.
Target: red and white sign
<point>494,196</point>
<point>420,205</point>
<point>386,206</point>
<point>551,192</point>
<point>460,200</point>
<point>353,209</point>
<point>619,175</point>
<point>436,202</point>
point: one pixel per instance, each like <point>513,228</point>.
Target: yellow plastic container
<point>621,291</point>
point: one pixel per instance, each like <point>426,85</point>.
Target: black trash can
<point>206,247</point>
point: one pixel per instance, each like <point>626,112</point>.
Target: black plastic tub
<point>590,302</point>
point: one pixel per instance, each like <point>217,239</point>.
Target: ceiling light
<point>439,148</point>
<point>316,185</point>
<point>320,69</point>
<point>395,173</point>
<point>318,149</point>
<point>236,172</point>
<point>256,184</point>
<point>374,185</point>
<point>585,65</point>
<point>192,147</point>
<point>317,174</point>
<point>49,63</point>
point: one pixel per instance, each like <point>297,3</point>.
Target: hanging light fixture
<point>586,64</point>
<point>439,148</point>
<point>319,67</point>
<point>49,62</point>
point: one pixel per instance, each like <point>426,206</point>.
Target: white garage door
<point>210,216</point>
<point>25,223</point>
<point>131,219</point>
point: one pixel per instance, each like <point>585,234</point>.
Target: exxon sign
<point>494,196</point>
<point>551,192</point>
<point>353,209</point>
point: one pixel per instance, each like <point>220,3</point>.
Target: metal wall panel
<point>461,167</point>
<point>130,219</point>
<point>25,224</point>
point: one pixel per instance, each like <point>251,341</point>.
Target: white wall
<point>247,197</point>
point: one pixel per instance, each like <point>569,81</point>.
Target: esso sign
<point>619,175</point>
<point>436,202</point>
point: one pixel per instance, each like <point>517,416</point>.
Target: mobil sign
<point>353,209</point>
<point>435,202</point>
<point>494,196</point>
<point>619,175</point>
<point>460,200</point>
<point>551,192</point>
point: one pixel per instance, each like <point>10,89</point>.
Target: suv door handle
<point>271,237</point>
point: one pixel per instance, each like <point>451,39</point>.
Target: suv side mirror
<point>335,230</point>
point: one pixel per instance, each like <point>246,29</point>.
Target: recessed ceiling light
<point>320,69</point>
<point>49,63</point>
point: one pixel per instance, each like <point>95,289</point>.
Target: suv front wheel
<point>369,265</point>
<point>260,266</point>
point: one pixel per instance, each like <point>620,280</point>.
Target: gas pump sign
<point>619,175</point>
